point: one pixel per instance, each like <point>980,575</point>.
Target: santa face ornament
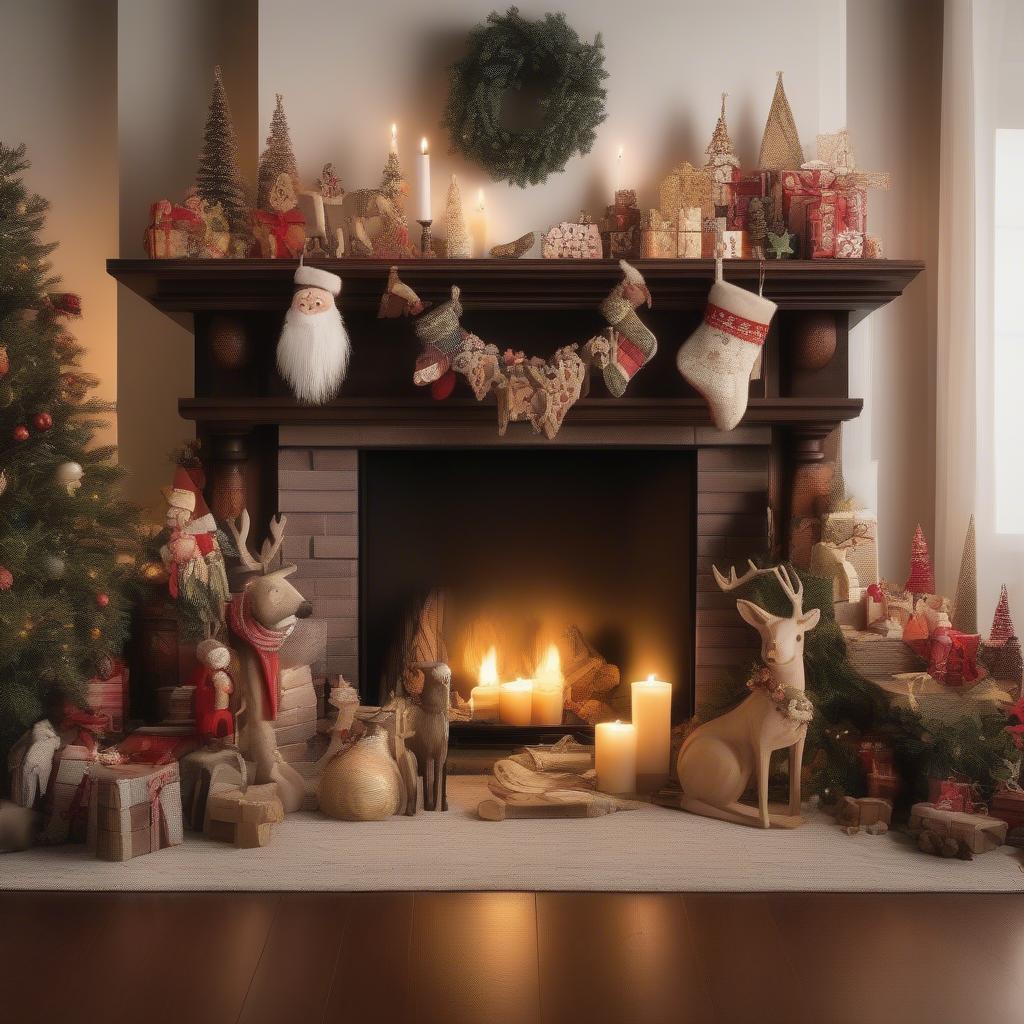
<point>313,350</point>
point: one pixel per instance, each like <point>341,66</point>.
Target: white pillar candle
<point>515,702</point>
<point>478,227</point>
<point>652,716</point>
<point>424,196</point>
<point>548,683</point>
<point>394,138</point>
<point>615,757</point>
<point>483,702</point>
<point>548,702</point>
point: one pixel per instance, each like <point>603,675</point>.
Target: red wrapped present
<point>108,697</point>
<point>158,744</point>
<point>176,232</point>
<point>828,212</point>
<point>758,186</point>
<point>953,656</point>
<point>876,760</point>
<point>955,795</point>
<point>1007,804</point>
<point>280,235</point>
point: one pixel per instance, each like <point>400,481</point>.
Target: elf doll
<point>214,686</point>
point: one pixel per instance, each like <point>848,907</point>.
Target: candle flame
<point>394,132</point>
<point>621,151</point>
<point>488,675</point>
<point>480,199</point>
<point>652,678</point>
<point>423,145</point>
<point>549,671</point>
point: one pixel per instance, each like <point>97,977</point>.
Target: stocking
<point>633,345</point>
<point>717,358</point>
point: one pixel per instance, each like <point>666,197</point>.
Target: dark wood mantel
<point>854,286</point>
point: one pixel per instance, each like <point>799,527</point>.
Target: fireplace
<point>531,547</point>
<point>648,467</point>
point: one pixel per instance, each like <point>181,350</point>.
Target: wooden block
<point>296,716</point>
<point>295,733</point>
<point>250,836</point>
<point>302,675</point>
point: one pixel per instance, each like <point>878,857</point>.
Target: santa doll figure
<point>214,686</point>
<point>313,350</point>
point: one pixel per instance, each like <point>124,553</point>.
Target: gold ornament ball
<point>813,342</point>
<point>95,633</point>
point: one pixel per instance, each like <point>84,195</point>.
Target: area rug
<point>651,849</point>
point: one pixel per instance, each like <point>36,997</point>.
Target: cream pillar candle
<point>423,207</point>
<point>515,702</point>
<point>615,757</point>
<point>483,702</point>
<point>652,716</point>
<point>478,227</point>
<point>548,683</point>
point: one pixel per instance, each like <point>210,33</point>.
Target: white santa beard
<point>312,354</point>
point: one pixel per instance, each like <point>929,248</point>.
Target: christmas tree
<point>922,575</point>
<point>278,158</point>
<point>1002,624</point>
<point>780,143</point>
<point>67,544</point>
<point>218,179</point>
<point>965,601</point>
<point>459,245</point>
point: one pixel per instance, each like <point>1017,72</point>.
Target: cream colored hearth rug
<point>649,849</point>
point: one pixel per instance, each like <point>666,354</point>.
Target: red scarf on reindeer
<point>265,642</point>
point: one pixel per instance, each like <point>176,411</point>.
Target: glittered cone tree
<point>218,179</point>
<point>922,575</point>
<point>67,544</point>
<point>965,601</point>
<point>278,158</point>
<point>1002,624</point>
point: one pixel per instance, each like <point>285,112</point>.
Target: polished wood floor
<point>506,958</point>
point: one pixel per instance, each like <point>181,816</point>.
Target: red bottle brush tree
<point>922,574</point>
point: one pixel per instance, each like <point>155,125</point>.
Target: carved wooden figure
<point>262,618</point>
<point>428,723</point>
<point>718,758</point>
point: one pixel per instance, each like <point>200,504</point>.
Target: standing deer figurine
<point>261,618</point>
<point>718,758</point>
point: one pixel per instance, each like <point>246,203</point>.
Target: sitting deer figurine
<point>718,758</point>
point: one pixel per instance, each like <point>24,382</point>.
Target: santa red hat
<point>314,277</point>
<point>192,481</point>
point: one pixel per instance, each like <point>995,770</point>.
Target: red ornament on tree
<point>1002,624</point>
<point>103,600</point>
<point>66,302</point>
<point>42,421</point>
<point>6,579</point>
<point>922,575</point>
<point>20,432</point>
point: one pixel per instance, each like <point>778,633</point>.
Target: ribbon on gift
<point>277,224</point>
<point>158,837</point>
<point>860,533</point>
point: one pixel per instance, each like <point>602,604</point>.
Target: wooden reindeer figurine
<point>717,758</point>
<point>261,618</point>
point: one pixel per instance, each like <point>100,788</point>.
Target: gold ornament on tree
<point>459,244</point>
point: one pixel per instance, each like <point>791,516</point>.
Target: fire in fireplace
<point>547,578</point>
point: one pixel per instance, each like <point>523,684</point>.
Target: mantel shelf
<point>250,412</point>
<point>190,286</point>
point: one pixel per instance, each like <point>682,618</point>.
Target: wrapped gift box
<point>176,232</point>
<point>857,531</point>
<point>67,798</point>
<point>1008,805</point>
<point>753,186</point>
<point>159,744</point>
<point>134,809</point>
<point>953,794</point>
<point>826,211</point>
<point>109,696</point>
<point>981,832</point>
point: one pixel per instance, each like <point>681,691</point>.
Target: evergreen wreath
<point>504,53</point>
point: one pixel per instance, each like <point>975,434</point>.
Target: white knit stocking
<point>717,358</point>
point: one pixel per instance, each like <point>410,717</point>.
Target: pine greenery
<point>218,179</point>
<point>70,556</point>
<point>504,54</point>
<point>277,158</point>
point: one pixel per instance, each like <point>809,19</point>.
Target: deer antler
<point>241,536</point>
<point>272,545</point>
<point>795,592</point>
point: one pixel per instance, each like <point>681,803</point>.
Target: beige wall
<point>347,71</point>
<point>58,80</point>
<point>893,106</point>
<point>166,53</point>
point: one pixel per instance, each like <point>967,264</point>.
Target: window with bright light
<point>1008,355</point>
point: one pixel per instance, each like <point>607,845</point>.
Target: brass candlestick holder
<point>426,239</point>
